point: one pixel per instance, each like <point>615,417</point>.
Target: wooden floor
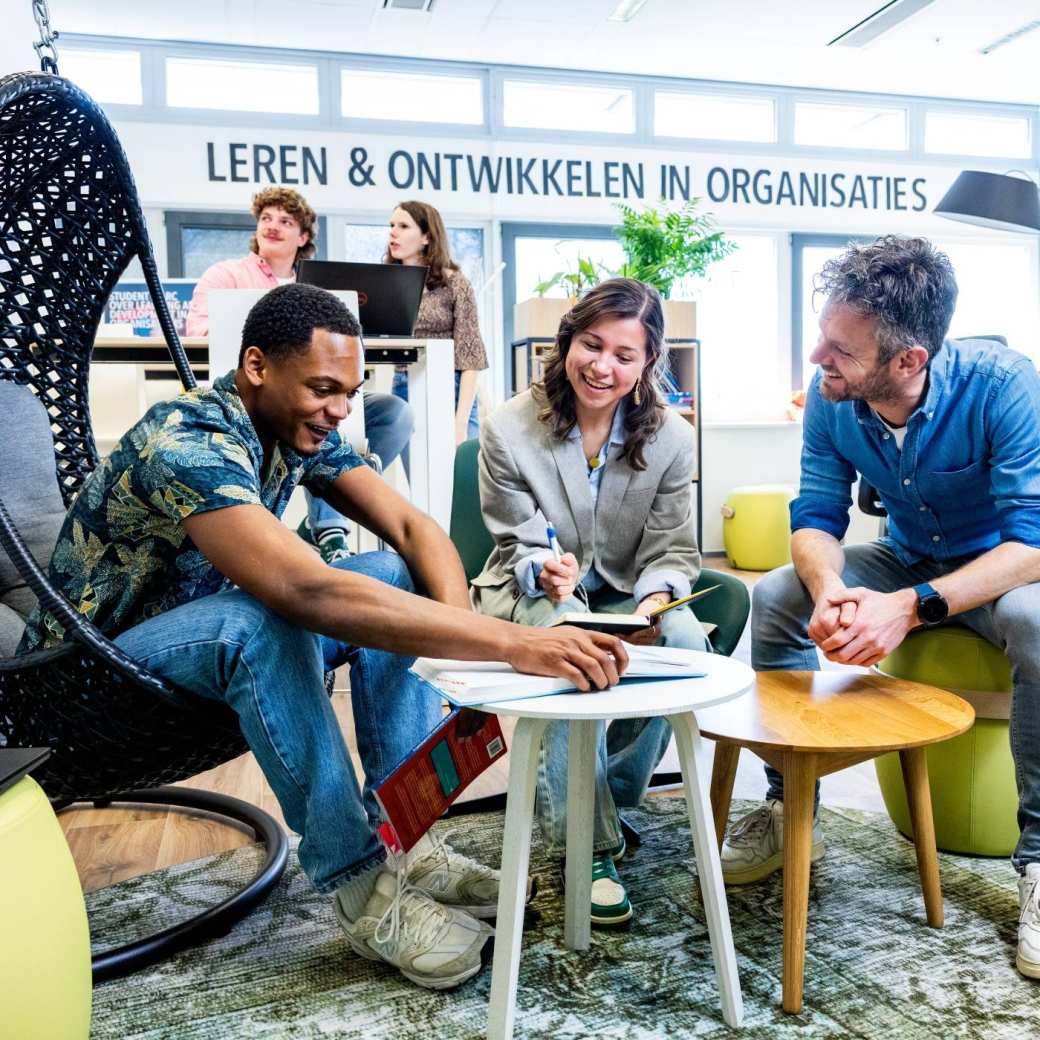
<point>113,844</point>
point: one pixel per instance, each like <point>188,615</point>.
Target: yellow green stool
<point>756,526</point>
<point>972,777</point>
<point>45,950</point>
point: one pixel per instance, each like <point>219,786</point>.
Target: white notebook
<point>466,683</point>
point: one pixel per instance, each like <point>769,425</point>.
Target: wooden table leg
<point>799,783</point>
<point>919,799</point>
<point>723,773</point>
<point>512,890</point>
<point>581,794</point>
<point>693,760</point>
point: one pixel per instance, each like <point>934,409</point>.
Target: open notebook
<point>466,683</point>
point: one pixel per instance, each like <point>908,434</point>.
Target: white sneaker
<point>455,880</point>
<point>754,847</point>
<point>1028,960</point>
<point>435,946</point>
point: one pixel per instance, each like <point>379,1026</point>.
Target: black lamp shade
<point>993,200</point>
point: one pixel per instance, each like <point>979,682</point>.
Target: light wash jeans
<point>472,424</point>
<point>389,423</point>
<point>627,751</point>
<point>231,648</point>
<point>781,608</point>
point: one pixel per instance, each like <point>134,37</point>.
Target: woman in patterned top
<point>449,306</point>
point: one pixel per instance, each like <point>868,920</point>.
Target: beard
<point>876,386</point>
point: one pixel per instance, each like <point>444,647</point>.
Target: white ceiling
<point>934,52</point>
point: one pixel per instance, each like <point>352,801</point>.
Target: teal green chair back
<point>472,540</point>
<point>727,608</point>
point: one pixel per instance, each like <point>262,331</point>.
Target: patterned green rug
<point>873,967</point>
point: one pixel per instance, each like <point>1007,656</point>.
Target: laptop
<point>17,762</point>
<point>388,294</point>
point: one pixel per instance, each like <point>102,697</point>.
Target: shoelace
<point>752,826</point>
<point>1031,905</point>
<point>446,854</point>
<point>431,918</point>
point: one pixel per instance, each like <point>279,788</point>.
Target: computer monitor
<point>388,294</point>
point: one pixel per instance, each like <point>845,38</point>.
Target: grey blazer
<point>643,521</point>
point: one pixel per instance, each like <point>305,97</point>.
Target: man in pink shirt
<point>285,235</point>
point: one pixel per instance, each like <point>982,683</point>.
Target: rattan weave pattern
<point>70,222</point>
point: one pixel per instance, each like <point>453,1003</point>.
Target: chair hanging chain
<point>44,48</point>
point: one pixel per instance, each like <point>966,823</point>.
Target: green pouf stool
<point>756,526</point>
<point>972,777</point>
<point>45,952</point>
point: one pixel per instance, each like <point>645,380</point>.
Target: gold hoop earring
<point>637,397</point>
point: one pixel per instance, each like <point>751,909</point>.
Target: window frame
<point>177,220</point>
<point>720,143</point>
<point>884,103</point>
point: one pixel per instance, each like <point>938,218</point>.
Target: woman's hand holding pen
<point>558,578</point>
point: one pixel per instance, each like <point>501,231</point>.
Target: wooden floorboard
<point>111,845</point>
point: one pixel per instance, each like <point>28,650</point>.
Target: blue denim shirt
<point>968,477</point>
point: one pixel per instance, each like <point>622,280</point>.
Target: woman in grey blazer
<point>593,452</point>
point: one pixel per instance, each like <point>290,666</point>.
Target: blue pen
<point>550,534</point>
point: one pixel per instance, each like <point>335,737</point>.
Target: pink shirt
<point>249,272</point>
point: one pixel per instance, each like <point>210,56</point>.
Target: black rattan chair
<point>70,222</point>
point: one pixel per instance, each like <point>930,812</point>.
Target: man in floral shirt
<point>174,549</point>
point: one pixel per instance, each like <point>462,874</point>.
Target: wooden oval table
<point>809,724</point>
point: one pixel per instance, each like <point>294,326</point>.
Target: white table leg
<point>581,785</point>
<point>512,892</point>
<point>696,771</point>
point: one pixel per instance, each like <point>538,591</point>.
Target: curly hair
<point>436,254</point>
<point>297,207</point>
<point>282,322</point>
<point>617,298</point>
<point>905,284</point>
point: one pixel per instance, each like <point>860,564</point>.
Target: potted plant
<point>663,245</point>
<point>540,315</point>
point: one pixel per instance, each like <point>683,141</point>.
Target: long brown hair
<point>436,255</point>
<point>617,298</point>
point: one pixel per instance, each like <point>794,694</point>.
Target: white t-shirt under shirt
<point>899,432</point>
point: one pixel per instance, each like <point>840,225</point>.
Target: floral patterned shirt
<point>123,554</point>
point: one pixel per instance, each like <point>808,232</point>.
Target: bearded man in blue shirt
<point>948,432</point>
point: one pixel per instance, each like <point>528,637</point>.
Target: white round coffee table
<point>724,680</point>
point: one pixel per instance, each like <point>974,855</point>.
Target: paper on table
<point>467,683</point>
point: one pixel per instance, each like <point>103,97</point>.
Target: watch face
<point>932,609</point>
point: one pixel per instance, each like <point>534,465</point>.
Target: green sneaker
<point>333,545</point>
<point>610,905</point>
<point>303,529</point>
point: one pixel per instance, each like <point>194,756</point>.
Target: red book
<point>417,791</point>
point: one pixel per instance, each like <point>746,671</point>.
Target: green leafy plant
<point>663,245</point>
<point>584,275</point>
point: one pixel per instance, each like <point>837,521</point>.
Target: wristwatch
<point>932,607</point>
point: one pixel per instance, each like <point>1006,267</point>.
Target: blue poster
<point>131,304</point>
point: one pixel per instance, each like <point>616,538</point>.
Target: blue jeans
<point>388,426</point>
<point>231,648</point>
<point>627,752</point>
<point>781,609</point>
<point>472,424</point>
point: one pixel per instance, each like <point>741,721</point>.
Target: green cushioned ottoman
<point>972,777</point>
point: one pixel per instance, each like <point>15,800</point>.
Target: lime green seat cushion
<point>756,526</point>
<point>45,949</point>
<point>972,777</point>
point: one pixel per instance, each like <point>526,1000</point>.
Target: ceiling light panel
<point>883,20</point>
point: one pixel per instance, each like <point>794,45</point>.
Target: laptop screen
<point>388,294</point>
